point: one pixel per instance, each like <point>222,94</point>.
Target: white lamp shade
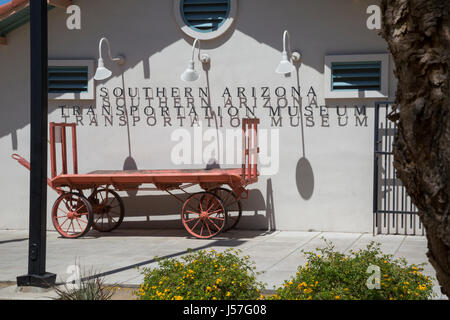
<point>285,65</point>
<point>190,74</point>
<point>102,73</point>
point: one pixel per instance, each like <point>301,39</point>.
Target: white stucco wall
<point>157,52</point>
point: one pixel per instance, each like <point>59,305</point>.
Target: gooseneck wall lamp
<point>190,74</point>
<point>103,73</point>
<point>286,65</point>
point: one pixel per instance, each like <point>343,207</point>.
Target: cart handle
<point>26,164</point>
<point>21,160</point>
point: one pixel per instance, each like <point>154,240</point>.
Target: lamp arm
<point>196,41</point>
<point>287,42</point>
<point>118,60</point>
<point>295,56</point>
<point>203,58</point>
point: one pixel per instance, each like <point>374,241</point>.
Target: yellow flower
<point>218,281</point>
<point>337,297</point>
<point>178,298</point>
<point>208,289</point>
<point>228,294</point>
<point>214,298</point>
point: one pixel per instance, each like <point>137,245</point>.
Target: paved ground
<point>117,255</point>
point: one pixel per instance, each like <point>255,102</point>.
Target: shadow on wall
<point>164,212</point>
<point>309,35</point>
<point>248,22</point>
<point>304,178</point>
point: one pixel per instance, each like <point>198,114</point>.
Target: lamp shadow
<point>304,178</point>
<point>130,162</point>
<point>304,174</point>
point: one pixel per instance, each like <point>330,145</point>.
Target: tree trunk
<point>418,34</point>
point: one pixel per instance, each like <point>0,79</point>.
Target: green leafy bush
<point>202,275</point>
<point>331,275</point>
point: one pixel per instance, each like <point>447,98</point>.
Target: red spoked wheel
<point>72,215</point>
<point>108,210</point>
<point>204,215</point>
<point>233,205</point>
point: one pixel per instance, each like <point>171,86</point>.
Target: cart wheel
<point>72,215</point>
<point>204,215</point>
<point>108,210</point>
<point>233,205</point>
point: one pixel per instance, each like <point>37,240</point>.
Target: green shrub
<point>202,275</point>
<point>331,275</point>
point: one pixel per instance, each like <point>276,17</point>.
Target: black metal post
<point>37,276</point>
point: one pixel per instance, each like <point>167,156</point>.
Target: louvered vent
<point>67,79</point>
<point>205,15</point>
<point>356,76</point>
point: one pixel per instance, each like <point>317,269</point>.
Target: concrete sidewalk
<point>118,254</point>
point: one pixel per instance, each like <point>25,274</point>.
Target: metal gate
<point>394,212</point>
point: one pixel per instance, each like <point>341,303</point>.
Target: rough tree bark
<point>418,34</point>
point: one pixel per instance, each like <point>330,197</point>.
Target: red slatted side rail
<point>53,130</point>
<point>250,149</point>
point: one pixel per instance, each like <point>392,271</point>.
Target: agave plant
<point>90,287</point>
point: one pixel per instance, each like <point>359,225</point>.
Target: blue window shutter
<point>67,79</point>
<point>205,15</point>
<point>355,76</point>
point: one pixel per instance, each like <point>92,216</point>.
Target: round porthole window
<point>205,19</point>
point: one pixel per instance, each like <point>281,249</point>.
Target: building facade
<point>317,122</point>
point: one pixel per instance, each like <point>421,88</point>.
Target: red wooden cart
<point>204,214</point>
